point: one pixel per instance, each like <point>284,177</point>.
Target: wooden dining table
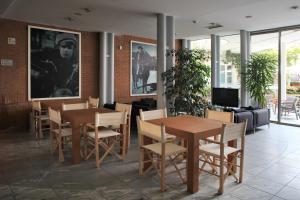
<point>191,129</point>
<point>78,118</point>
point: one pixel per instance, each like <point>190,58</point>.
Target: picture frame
<point>54,64</point>
<point>143,69</point>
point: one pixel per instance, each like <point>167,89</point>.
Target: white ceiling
<point>138,17</point>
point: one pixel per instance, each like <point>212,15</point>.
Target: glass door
<point>290,76</point>
<point>268,43</point>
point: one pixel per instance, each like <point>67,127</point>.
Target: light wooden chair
<point>155,114</point>
<point>104,137</point>
<point>75,106</point>
<point>226,117</point>
<point>222,152</point>
<point>159,152</point>
<point>40,119</point>
<point>121,107</point>
<point>93,102</point>
<point>59,135</point>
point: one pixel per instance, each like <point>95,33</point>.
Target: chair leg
<point>97,153</point>
<point>141,162</point>
<point>162,173</point>
<point>221,183</point>
<point>60,153</point>
<point>40,129</point>
<point>241,167</point>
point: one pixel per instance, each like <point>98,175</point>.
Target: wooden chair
<point>75,106</point>
<point>222,152</point>
<point>121,107</point>
<point>59,135</point>
<point>106,137</point>
<point>155,114</point>
<point>93,102</point>
<point>226,117</point>
<point>40,118</point>
<point>158,152</point>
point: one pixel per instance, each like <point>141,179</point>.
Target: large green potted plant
<point>260,76</point>
<point>187,82</point>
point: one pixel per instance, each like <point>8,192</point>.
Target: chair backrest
<point>36,105</point>
<point>94,102</point>
<point>54,116</point>
<point>75,106</point>
<point>153,114</point>
<point>110,119</point>
<point>153,131</point>
<point>220,116</point>
<point>122,107</point>
<point>233,131</point>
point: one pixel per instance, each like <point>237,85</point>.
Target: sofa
<point>256,117</point>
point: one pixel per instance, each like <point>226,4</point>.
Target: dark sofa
<point>256,117</point>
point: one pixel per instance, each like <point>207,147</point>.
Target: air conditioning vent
<point>214,25</point>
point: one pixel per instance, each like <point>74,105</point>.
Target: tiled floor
<point>29,171</point>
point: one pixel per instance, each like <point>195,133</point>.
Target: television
<point>227,97</point>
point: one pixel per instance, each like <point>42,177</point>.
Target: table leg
<point>193,165</point>
<point>76,145</point>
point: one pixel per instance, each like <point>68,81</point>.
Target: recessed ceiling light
<point>248,16</point>
<point>196,22</point>
<point>87,10</point>
<point>77,13</point>
<point>295,7</point>
<point>70,19</point>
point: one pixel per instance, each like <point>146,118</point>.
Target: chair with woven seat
<point>226,155</point>
<point>59,135</point>
<point>75,106</point>
<point>155,114</point>
<point>104,137</point>
<point>121,107</point>
<point>93,102</point>
<point>158,152</point>
<point>226,117</point>
<point>40,119</point>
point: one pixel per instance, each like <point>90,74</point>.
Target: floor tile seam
<point>285,185</point>
<point>282,186</point>
<point>257,189</point>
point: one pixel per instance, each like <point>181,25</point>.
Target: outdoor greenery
<point>260,75</point>
<point>186,82</point>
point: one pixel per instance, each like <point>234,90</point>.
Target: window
<point>230,61</point>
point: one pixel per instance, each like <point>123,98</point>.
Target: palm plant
<point>260,75</point>
<point>186,82</point>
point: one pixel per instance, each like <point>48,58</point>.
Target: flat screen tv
<point>227,97</point>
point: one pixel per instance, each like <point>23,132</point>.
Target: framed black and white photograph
<point>54,64</point>
<point>143,79</point>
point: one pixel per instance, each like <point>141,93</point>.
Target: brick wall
<point>14,105</point>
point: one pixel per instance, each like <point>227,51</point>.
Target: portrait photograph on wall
<point>54,64</point>
<point>143,79</point>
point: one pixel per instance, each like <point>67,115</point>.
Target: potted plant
<point>260,75</point>
<point>187,82</point>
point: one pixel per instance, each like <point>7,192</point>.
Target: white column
<point>215,58</point>
<point>170,34</point>
<point>110,67</point>
<point>184,43</point>
<point>103,68</point>
<point>161,58</point>
<point>283,58</point>
<point>245,54</point>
